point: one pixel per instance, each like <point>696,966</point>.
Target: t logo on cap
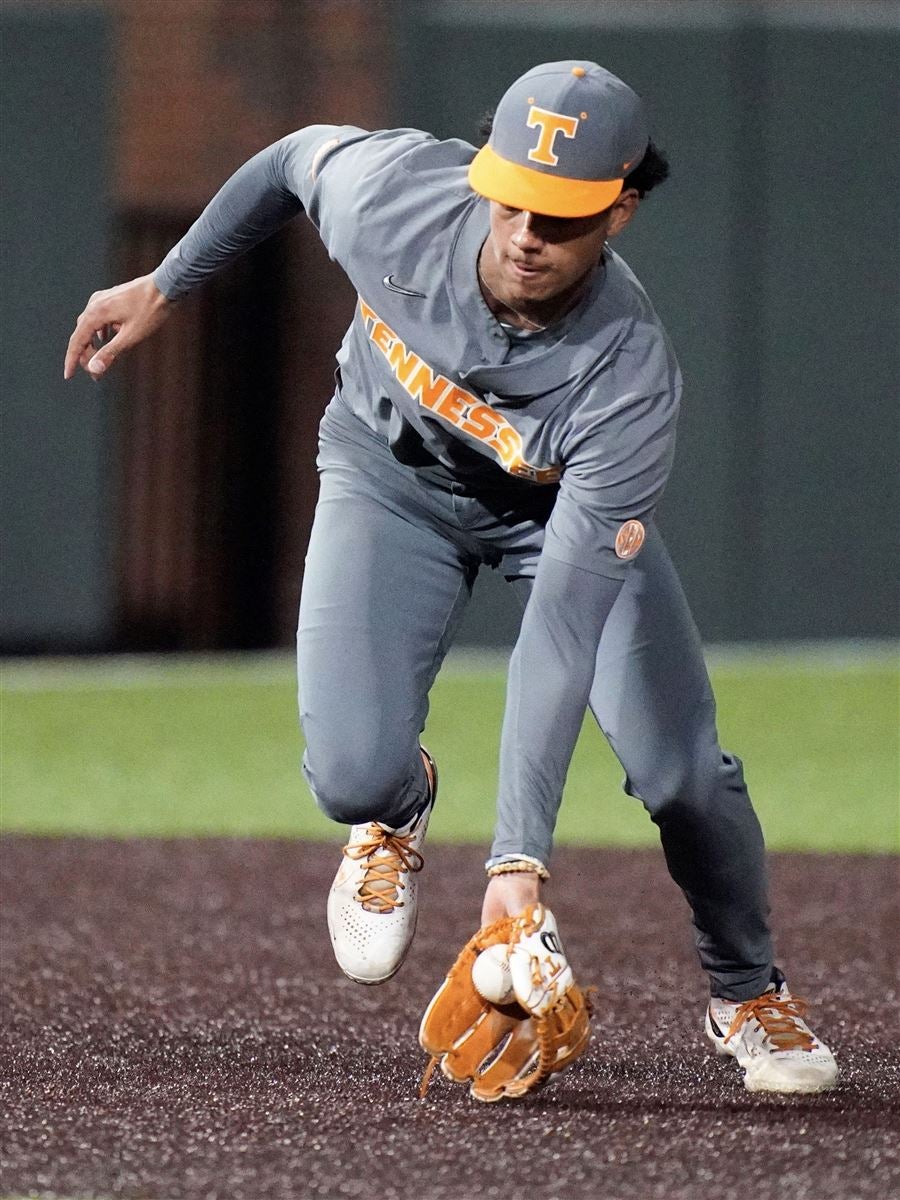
<point>527,165</point>
<point>550,124</point>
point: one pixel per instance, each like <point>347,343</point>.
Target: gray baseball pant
<point>390,568</point>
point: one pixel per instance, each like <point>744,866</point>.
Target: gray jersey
<point>425,365</point>
<point>447,434</point>
<point>585,411</point>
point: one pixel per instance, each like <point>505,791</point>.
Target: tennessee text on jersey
<point>451,403</point>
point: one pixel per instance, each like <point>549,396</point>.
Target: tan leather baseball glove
<point>508,1049</point>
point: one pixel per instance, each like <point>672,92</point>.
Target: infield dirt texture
<point>175,1028</point>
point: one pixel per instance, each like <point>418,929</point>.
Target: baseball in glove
<point>505,1050</point>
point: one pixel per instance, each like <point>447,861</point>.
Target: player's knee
<point>687,788</point>
<point>353,788</point>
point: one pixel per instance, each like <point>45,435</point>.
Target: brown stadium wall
<point>205,486</point>
<point>193,478</point>
<point>204,86</point>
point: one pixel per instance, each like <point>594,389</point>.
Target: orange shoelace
<point>389,854</point>
<point>778,1018</point>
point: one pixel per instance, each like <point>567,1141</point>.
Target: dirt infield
<point>175,1029</point>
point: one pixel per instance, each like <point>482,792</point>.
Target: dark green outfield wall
<point>772,257</point>
<point>56,468</point>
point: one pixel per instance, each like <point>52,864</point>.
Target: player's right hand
<point>130,312</point>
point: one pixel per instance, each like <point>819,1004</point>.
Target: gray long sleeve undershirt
<point>550,676</point>
<point>252,205</point>
<point>552,667</point>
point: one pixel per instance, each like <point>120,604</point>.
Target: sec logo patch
<point>629,539</point>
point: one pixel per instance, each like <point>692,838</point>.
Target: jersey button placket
<point>494,342</point>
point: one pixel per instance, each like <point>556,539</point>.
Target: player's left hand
<point>507,895</point>
<point>510,1047</point>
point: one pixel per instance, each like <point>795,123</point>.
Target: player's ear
<point>622,210</point>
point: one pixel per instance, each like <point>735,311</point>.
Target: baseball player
<point>506,397</point>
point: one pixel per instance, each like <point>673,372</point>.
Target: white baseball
<point>491,976</point>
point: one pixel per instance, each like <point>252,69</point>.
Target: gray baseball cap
<point>564,137</point>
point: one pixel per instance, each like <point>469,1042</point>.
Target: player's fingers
<point>101,336</point>
<point>98,339</point>
<point>100,362</point>
<point>130,312</point>
<point>79,342</point>
<point>88,323</point>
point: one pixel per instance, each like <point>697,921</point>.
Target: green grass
<point>212,747</point>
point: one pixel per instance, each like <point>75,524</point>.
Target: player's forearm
<point>255,202</point>
<point>550,677</point>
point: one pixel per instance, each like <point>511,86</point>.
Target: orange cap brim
<point>536,191</point>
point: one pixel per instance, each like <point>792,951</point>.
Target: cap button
<point>578,72</point>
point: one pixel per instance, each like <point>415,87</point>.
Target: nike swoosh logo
<point>388,282</point>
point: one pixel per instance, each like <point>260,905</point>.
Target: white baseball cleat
<point>372,903</point>
<point>772,1042</point>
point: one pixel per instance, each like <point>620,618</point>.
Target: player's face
<point>536,258</point>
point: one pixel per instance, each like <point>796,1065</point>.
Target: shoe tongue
<point>404,830</point>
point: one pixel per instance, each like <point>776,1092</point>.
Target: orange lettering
<point>453,404</point>
<point>424,388</point>
<point>550,124</point>
<point>403,362</point>
<point>509,445</point>
<point>481,422</point>
<point>383,337</point>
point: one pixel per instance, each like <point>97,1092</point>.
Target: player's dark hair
<point>652,170</point>
<point>485,125</point>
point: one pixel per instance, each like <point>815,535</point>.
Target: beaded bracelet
<point>520,866</point>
